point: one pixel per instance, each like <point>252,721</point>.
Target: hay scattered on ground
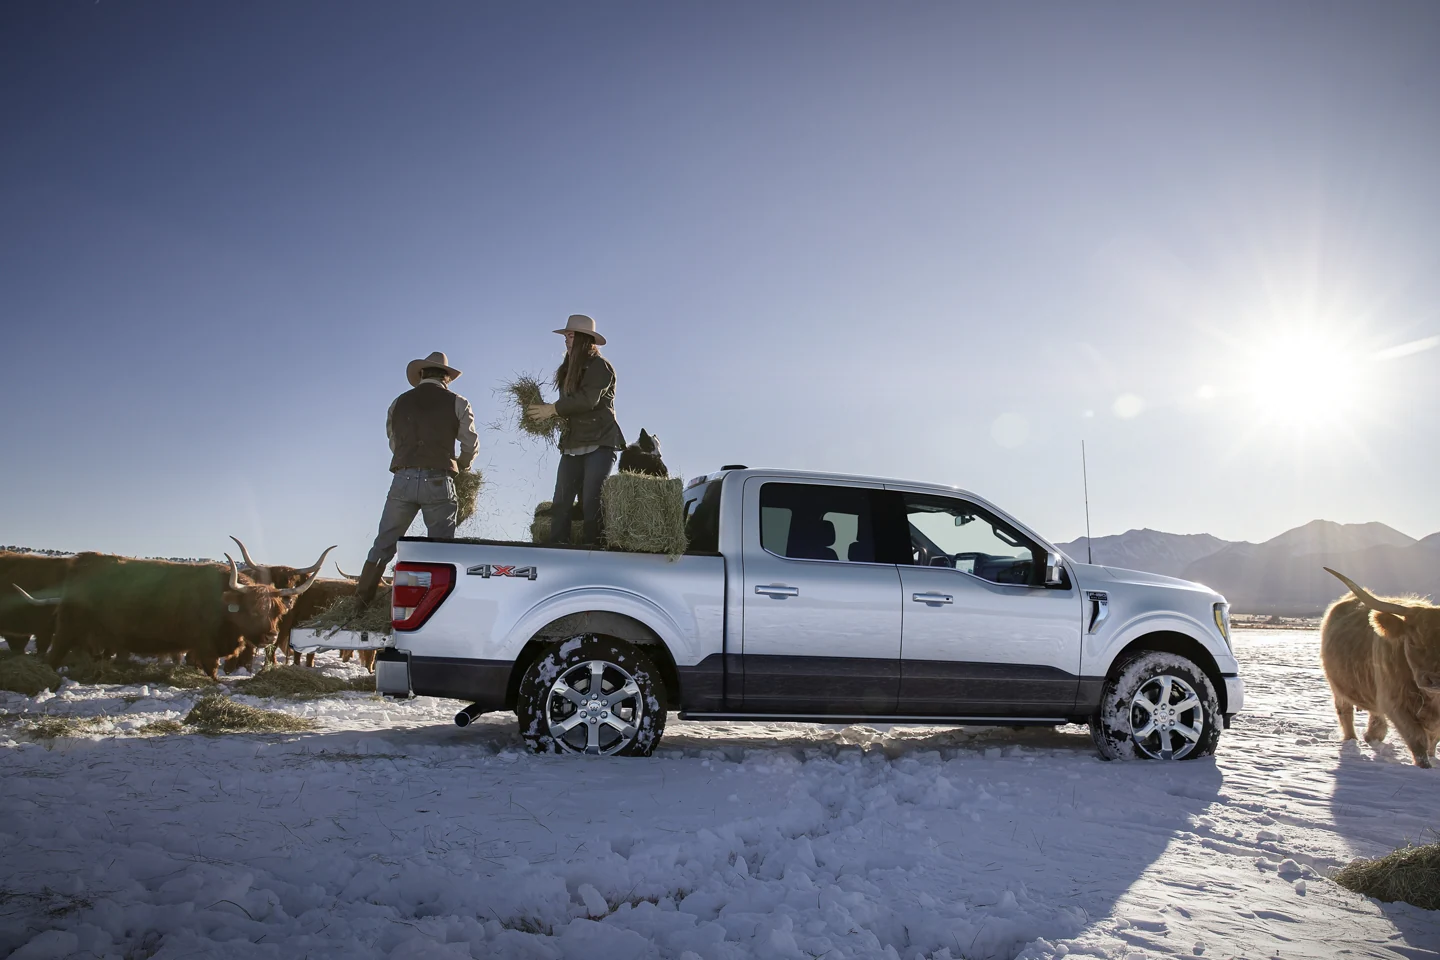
<point>347,614</point>
<point>1410,874</point>
<point>644,514</point>
<point>162,728</point>
<point>525,392</point>
<point>299,683</point>
<point>51,727</point>
<point>84,669</point>
<point>467,492</point>
<point>540,526</point>
<point>215,713</point>
<point>27,674</point>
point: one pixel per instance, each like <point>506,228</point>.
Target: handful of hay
<point>525,392</point>
<point>299,683</point>
<point>1411,874</point>
<point>217,714</point>
<point>347,614</point>
<point>467,492</point>
<point>644,514</point>
<point>540,526</point>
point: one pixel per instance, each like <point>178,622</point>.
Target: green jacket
<point>589,412</point>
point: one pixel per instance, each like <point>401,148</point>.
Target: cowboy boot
<point>369,582</point>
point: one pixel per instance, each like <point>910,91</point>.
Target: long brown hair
<point>567,375</point>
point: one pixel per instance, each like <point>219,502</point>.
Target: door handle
<point>777,590</point>
<point>932,598</point>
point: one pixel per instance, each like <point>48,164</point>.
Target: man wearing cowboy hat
<point>423,425</point>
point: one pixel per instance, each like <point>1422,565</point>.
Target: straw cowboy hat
<point>579,323</point>
<point>436,359</point>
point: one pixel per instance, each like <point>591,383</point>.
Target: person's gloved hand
<point>540,411</point>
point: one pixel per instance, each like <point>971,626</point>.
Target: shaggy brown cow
<point>1383,656</point>
<point>19,620</point>
<point>157,607</point>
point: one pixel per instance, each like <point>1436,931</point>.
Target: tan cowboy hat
<point>579,323</point>
<point>436,359</point>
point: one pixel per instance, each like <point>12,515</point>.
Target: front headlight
<point>1222,621</point>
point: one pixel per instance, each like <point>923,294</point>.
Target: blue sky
<point>938,241</point>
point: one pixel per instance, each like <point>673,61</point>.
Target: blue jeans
<point>580,476</point>
<point>415,491</point>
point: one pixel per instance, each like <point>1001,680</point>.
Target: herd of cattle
<point>209,613</point>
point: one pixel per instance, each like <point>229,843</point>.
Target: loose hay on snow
<point>27,674</point>
<point>84,669</point>
<point>347,614</point>
<point>299,683</point>
<point>540,526</point>
<point>525,392</point>
<point>214,713</point>
<point>1410,874</point>
<point>467,492</point>
<point>162,728</point>
<point>644,514</point>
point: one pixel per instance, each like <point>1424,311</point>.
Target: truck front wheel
<point>593,695</point>
<point>1157,706</point>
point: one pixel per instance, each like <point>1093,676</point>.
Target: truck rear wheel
<point>592,695</point>
<point>1157,706</point>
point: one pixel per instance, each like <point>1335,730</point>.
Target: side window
<point>702,517</point>
<point>806,521</point>
<point>945,532</point>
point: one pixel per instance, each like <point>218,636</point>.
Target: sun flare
<point>1304,379</point>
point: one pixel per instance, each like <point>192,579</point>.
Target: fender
<point>599,599</point>
<point>1100,650</point>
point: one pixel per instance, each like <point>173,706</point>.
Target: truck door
<point>982,635</point>
<point>821,632</point>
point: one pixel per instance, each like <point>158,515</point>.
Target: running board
<point>908,720</point>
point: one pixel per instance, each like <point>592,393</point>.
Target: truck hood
<point>1096,575</point>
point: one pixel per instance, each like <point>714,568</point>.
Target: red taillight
<point>419,590</point>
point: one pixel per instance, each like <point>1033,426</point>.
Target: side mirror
<point>1054,570</point>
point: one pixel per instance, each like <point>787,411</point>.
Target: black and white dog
<point>643,456</point>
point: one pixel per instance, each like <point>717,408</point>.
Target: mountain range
<point>1283,575</point>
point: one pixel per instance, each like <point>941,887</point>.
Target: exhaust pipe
<point>465,717</point>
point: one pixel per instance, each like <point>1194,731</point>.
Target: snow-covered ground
<point>393,833</point>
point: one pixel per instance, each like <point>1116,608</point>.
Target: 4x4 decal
<point>488,570</point>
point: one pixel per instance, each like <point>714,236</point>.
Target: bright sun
<point>1304,379</point>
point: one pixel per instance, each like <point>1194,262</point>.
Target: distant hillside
<point>1153,551</point>
<point>1283,575</point>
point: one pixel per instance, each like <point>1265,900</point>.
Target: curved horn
<point>309,582</point>
<point>235,583</point>
<point>343,573</point>
<point>245,555</point>
<point>1384,606</point>
<point>47,602</point>
<point>309,571</point>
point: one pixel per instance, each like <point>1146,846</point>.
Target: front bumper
<point>1234,695</point>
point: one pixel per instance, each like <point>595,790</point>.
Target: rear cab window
<point>702,516</point>
<point>807,521</point>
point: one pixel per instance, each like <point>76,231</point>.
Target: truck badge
<point>488,570</point>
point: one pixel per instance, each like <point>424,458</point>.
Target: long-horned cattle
<point>157,607</point>
<point>19,620</point>
<point>1383,656</point>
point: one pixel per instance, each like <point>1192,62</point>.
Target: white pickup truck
<point>813,597</point>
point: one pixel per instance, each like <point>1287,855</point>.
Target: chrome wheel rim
<point>1166,718</point>
<point>594,707</point>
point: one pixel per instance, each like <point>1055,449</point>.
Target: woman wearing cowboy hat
<point>423,425</point>
<point>589,436</point>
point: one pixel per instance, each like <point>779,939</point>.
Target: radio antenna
<point>1085,479</point>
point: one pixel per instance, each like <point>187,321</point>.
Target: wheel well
<point>1168,641</point>
<point>600,623</point>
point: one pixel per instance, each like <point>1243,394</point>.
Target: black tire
<point>1187,724</point>
<point>618,722</point>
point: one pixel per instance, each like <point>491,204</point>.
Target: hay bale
<point>540,526</point>
<point>525,392</point>
<point>347,614</point>
<point>644,514</point>
<point>467,493</point>
<point>299,683</point>
<point>26,674</point>
<point>215,713</point>
<point>1410,874</point>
